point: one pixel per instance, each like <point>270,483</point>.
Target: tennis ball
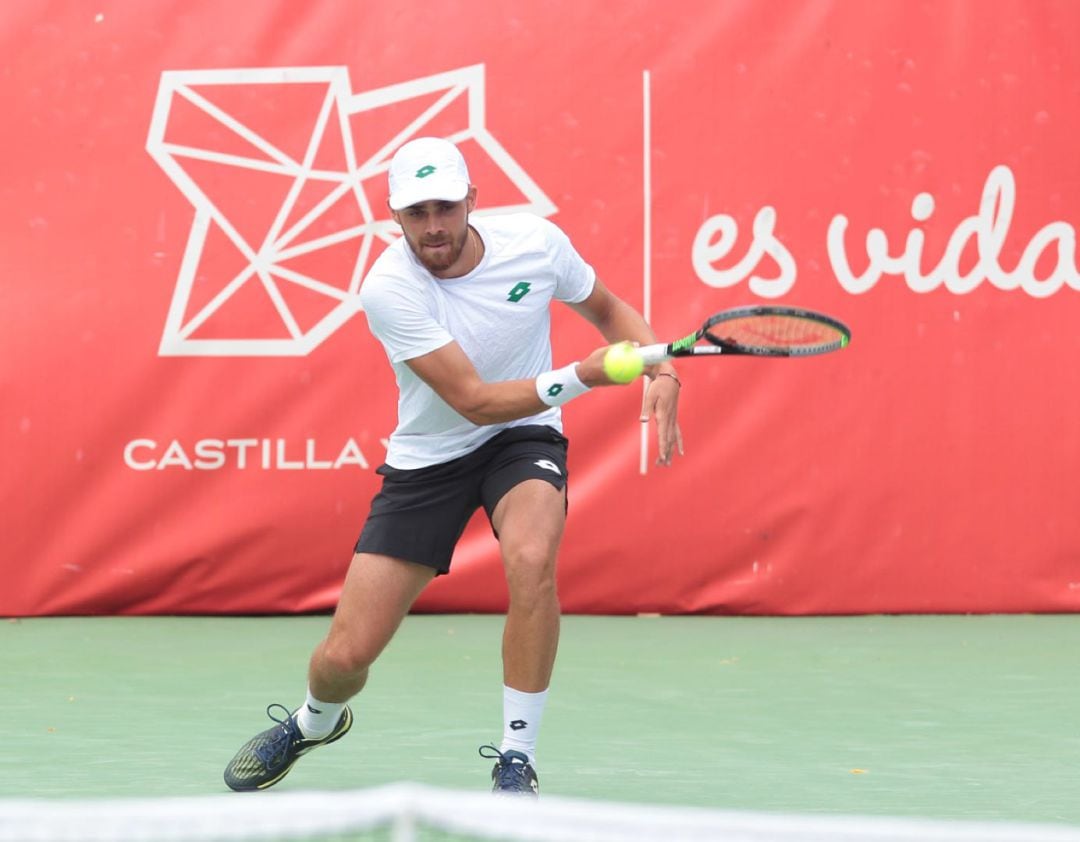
<point>623,363</point>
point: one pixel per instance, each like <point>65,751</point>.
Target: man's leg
<point>377,594</point>
<point>529,521</point>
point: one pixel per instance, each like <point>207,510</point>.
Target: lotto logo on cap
<point>425,169</point>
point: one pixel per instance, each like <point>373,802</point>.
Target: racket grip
<point>653,354</point>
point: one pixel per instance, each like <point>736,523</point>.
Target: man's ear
<point>470,199</point>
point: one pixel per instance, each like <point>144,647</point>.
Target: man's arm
<point>449,372</point>
<point>617,321</point>
<point>454,378</point>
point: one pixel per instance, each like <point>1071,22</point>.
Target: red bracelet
<point>672,376</point>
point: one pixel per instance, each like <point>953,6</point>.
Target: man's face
<point>437,232</point>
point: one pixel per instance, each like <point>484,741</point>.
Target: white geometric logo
<point>547,465</point>
<point>286,171</point>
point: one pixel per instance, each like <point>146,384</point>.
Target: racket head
<point>775,331</point>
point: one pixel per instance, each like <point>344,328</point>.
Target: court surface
<point>972,717</point>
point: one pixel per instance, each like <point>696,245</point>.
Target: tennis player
<point>462,308</point>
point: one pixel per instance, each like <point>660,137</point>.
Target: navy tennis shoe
<point>267,757</point>
<point>513,774</point>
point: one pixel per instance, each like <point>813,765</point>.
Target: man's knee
<point>345,657</point>
<point>530,567</point>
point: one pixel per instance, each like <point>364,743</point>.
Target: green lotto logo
<point>519,292</point>
<point>425,171</point>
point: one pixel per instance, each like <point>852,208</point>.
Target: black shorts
<point>419,515</point>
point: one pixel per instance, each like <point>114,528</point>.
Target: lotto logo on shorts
<point>548,465</point>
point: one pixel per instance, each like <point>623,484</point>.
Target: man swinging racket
<point>461,306</point>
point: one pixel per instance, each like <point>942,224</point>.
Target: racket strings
<point>780,332</point>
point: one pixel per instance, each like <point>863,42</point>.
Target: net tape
<point>404,807</point>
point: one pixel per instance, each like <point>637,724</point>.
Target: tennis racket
<point>756,331</point>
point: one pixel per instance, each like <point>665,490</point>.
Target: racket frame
<point>688,345</point>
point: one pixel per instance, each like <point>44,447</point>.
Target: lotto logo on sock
<point>518,724</point>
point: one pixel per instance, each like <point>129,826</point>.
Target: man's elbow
<point>473,415</point>
<point>477,409</point>
<point>482,418</point>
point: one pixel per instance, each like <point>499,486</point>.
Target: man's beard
<point>443,258</point>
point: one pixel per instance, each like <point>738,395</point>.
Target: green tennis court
<point>967,717</point>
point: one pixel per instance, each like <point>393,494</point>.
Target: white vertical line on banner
<point>646,241</point>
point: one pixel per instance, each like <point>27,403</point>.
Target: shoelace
<point>273,751</point>
<point>511,771</point>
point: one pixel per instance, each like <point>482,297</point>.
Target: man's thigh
<point>529,521</point>
<point>376,596</point>
<point>535,457</point>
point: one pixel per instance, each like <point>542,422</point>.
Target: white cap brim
<point>445,190</point>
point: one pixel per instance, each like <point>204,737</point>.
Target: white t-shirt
<point>499,314</point>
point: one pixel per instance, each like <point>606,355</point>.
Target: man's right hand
<point>590,370</point>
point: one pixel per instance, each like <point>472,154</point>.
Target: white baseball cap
<point>427,168</point>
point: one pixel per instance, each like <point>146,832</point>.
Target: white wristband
<point>557,387</point>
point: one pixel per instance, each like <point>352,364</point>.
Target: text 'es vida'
<point>983,235</point>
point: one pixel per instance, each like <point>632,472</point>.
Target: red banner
<point>195,408</point>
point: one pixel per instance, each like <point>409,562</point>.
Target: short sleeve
<point>574,278</point>
<point>401,321</point>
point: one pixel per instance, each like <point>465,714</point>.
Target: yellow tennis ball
<point>623,363</point>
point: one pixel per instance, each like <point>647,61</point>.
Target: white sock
<point>522,713</point>
<point>316,718</point>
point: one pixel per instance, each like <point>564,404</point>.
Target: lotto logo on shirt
<point>519,292</point>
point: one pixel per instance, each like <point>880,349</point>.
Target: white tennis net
<point>410,813</point>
